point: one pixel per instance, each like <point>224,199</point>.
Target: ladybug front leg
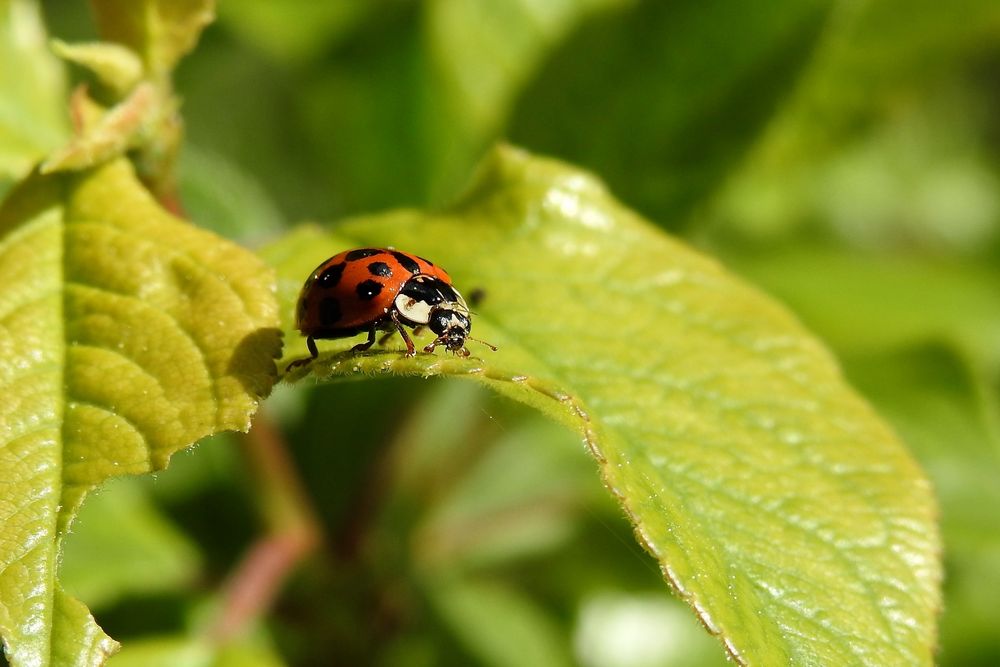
<point>440,341</point>
<point>384,338</point>
<point>361,347</point>
<point>410,350</point>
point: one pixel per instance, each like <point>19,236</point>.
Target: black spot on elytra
<point>406,262</point>
<point>361,253</point>
<point>331,276</point>
<point>368,290</point>
<point>329,311</point>
<point>380,269</point>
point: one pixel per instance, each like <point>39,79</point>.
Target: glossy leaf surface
<point>778,504</point>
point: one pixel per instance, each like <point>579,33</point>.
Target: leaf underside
<point>779,506</point>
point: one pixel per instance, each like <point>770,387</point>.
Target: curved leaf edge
<point>545,396</point>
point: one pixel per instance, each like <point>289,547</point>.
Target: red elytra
<point>351,277</point>
<point>366,289</point>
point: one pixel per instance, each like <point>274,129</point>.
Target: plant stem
<point>292,532</point>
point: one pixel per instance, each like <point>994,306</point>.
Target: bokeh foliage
<point>841,154</point>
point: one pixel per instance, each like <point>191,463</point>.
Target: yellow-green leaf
<point>160,31</point>
<point>33,119</point>
<point>116,66</point>
<point>778,504</point>
<point>126,335</point>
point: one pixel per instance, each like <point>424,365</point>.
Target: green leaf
<point>32,107</point>
<point>779,506</point>
<point>884,140</point>
<point>418,76</point>
<point>870,303</point>
<point>116,66</point>
<point>515,501</point>
<point>160,31</point>
<point>930,395</point>
<point>498,624</point>
<point>188,652</point>
<point>127,335</point>
<point>121,545</point>
<point>294,30</point>
<point>874,65</point>
<point>479,58</point>
<point>661,98</point>
<point>219,194</point>
<point>920,179</point>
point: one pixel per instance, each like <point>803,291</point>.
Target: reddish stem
<point>292,533</point>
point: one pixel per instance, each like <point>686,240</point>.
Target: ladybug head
<point>452,326</point>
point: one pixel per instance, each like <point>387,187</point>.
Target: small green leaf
<point>160,31</point>
<point>32,107</point>
<point>116,66</point>
<point>779,506</point>
<point>127,335</point>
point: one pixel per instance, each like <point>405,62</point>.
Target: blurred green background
<point>844,155</point>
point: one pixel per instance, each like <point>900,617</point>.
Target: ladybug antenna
<point>483,342</point>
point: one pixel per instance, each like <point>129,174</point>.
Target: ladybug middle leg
<point>361,347</point>
<point>410,350</point>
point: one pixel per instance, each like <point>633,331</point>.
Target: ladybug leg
<point>392,331</point>
<point>410,350</point>
<point>437,341</point>
<point>311,344</point>
<point>361,347</point>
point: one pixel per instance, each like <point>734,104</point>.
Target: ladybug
<point>369,289</point>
